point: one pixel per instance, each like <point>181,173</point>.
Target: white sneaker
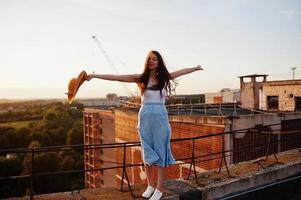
<point>157,195</point>
<point>148,192</point>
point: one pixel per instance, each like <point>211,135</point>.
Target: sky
<point>45,43</point>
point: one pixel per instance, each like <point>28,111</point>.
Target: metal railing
<point>209,108</point>
<point>219,109</point>
<point>268,148</point>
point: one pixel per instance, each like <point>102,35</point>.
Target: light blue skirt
<point>155,133</point>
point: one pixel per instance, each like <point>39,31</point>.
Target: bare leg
<point>150,181</point>
<point>149,175</point>
<point>161,174</point>
<point>158,192</point>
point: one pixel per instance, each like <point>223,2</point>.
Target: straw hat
<point>74,85</point>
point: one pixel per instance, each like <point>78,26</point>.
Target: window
<point>297,103</point>
<point>259,79</point>
<point>247,79</point>
<point>272,102</point>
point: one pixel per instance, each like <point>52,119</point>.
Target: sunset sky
<point>44,43</point>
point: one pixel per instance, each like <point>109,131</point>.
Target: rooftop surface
<point>211,182</point>
<point>225,109</point>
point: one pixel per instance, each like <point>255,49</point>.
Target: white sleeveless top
<point>154,96</point>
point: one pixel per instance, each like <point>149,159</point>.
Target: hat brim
<point>74,85</point>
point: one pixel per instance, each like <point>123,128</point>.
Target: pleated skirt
<point>155,133</point>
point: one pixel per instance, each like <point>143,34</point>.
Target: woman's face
<point>152,61</point>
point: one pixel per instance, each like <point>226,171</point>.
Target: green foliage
<point>41,137</point>
<point>57,121</point>
<point>18,124</point>
<point>10,138</point>
<point>34,144</point>
<point>58,124</point>
<point>5,132</point>
<point>51,162</point>
<point>13,138</point>
<point>21,137</point>
<point>75,135</point>
<point>22,115</point>
<point>10,165</point>
<point>26,163</point>
<point>67,163</point>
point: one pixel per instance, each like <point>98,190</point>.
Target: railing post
<point>124,173</point>
<point>235,110</point>
<point>269,147</point>
<point>268,150</point>
<point>220,109</point>
<point>193,162</point>
<point>31,173</point>
<point>223,158</point>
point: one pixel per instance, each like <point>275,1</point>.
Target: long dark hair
<point>162,74</point>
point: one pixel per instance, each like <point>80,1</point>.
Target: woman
<point>153,125</point>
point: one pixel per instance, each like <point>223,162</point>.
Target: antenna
<point>294,69</point>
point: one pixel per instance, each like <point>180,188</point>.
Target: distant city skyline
<point>46,43</point>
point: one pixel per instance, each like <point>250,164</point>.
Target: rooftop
<point>210,185</point>
<point>284,82</point>
<point>253,75</point>
<point>224,109</point>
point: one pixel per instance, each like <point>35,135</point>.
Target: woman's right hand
<point>89,77</point>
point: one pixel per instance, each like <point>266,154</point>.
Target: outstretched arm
<point>184,71</point>
<point>130,78</point>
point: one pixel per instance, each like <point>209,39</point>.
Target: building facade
<point>226,95</point>
<point>120,126</point>
<point>99,128</point>
<point>258,93</point>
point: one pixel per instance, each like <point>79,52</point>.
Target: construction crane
<point>109,60</point>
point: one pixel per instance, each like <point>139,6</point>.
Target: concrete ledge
<point>263,177</point>
<point>213,185</point>
<point>220,185</point>
<point>181,190</point>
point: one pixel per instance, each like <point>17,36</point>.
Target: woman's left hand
<point>199,67</point>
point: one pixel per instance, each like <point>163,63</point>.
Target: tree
<point>59,125</point>
<point>50,119</point>
<point>41,137</point>
<point>5,137</point>
<point>11,166</point>
<point>21,137</point>
<point>47,162</point>
<point>75,135</point>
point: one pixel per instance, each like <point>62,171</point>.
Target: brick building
<point>99,128</point>
<point>119,126</point>
<point>258,93</point>
<point>226,95</point>
<point>102,127</point>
